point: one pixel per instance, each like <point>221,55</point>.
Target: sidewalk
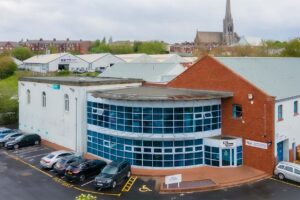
<point>208,178</point>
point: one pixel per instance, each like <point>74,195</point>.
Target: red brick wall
<point>258,118</point>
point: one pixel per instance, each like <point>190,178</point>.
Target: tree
<point>125,48</point>
<point>154,47</point>
<point>292,48</point>
<point>22,53</point>
<point>7,67</point>
<point>99,47</point>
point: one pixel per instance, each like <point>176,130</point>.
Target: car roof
<point>290,164</point>
<point>60,152</point>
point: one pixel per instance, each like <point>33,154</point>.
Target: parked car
<point>4,131</point>
<point>81,170</point>
<point>48,161</point>
<point>9,137</point>
<point>287,170</point>
<point>113,174</point>
<point>63,163</point>
<point>23,141</point>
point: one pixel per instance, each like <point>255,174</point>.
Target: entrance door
<point>227,158</point>
<point>280,151</point>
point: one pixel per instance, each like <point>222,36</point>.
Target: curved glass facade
<point>146,153</point>
<point>168,120</point>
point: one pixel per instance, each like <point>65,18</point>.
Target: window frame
<point>280,112</point>
<point>296,107</point>
<point>44,99</point>
<point>235,113</point>
<point>28,96</point>
<point>67,102</point>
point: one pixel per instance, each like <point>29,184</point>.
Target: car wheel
<point>52,167</point>
<point>16,146</point>
<point>114,184</point>
<point>128,174</point>
<point>281,176</point>
<point>37,142</point>
<point>82,178</point>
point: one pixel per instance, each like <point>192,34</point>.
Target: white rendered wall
<point>73,61</point>
<point>287,130</point>
<point>52,122</point>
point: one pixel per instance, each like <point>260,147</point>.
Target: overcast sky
<point>168,20</point>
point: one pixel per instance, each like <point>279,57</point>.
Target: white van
<point>287,170</point>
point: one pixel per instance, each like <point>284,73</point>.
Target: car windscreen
<point>50,156</point>
<point>8,136</point>
<point>109,170</point>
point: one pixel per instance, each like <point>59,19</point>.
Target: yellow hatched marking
<point>129,184</point>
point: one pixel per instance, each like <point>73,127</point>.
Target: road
<point>21,179</point>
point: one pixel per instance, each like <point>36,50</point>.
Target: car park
<point>23,141</point>
<point>9,137</point>
<point>4,131</point>
<point>287,170</point>
<point>63,163</point>
<point>81,170</point>
<point>113,174</point>
<point>48,161</point>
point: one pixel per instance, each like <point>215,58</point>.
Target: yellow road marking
<point>60,181</point>
<point>34,167</point>
<point>99,193</point>
<point>129,184</point>
<point>144,188</point>
<point>291,184</point>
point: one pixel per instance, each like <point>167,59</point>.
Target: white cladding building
<point>54,62</point>
<point>47,103</point>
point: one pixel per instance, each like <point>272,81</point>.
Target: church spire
<point>228,10</point>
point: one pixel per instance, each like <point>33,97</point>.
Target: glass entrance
<point>227,157</point>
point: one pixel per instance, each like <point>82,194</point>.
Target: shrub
<point>7,67</point>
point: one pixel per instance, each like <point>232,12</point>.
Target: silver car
<point>287,170</point>
<point>48,162</point>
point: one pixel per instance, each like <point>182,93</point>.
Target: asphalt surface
<point>22,179</point>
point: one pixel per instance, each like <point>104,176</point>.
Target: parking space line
<point>31,151</point>
<point>129,184</point>
<point>290,184</point>
<point>29,157</point>
<point>99,193</point>
<point>34,167</point>
<point>87,183</point>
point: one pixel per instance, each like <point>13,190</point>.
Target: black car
<point>113,174</point>
<point>9,137</point>
<point>83,169</point>
<point>23,141</point>
<point>63,163</point>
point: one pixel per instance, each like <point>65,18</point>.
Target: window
<point>28,97</point>
<point>297,171</point>
<point>237,111</point>
<point>44,99</point>
<point>280,112</point>
<point>295,107</point>
<point>67,103</point>
<point>281,167</point>
<point>289,169</point>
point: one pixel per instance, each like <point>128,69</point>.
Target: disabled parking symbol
<point>144,188</point>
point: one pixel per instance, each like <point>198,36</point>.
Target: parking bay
<point>31,156</point>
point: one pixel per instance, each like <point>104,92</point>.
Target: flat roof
<point>150,93</point>
<point>80,81</point>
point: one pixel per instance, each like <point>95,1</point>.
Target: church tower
<point>228,27</point>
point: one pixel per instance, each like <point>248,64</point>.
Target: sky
<point>167,20</point>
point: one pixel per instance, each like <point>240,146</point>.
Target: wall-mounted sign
<point>56,86</point>
<point>227,143</point>
<point>173,179</point>
<point>260,145</point>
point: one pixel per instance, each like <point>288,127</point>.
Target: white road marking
<point>87,183</point>
<point>40,155</point>
<point>34,150</point>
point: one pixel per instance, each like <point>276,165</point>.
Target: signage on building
<point>260,145</point>
<point>227,143</point>
<point>56,86</point>
<point>173,179</point>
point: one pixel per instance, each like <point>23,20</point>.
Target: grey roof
<point>278,77</point>
<point>209,37</point>
<point>151,72</point>
<point>147,93</point>
<point>79,81</point>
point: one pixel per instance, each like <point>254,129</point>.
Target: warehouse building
<point>99,62</point>
<point>137,58</point>
<point>150,72</point>
<point>54,62</point>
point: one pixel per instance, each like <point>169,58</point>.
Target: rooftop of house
<point>149,93</point>
<point>277,76</point>
<point>79,81</point>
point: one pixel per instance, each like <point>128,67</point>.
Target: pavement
<point>21,178</point>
